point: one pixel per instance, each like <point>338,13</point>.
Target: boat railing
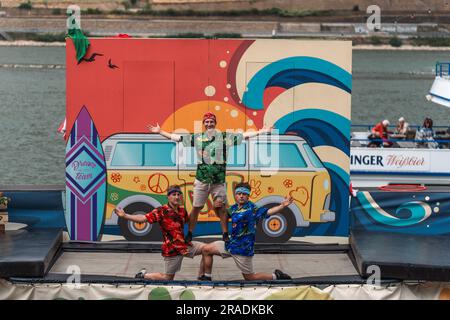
<point>441,139</point>
<point>442,143</point>
<point>369,127</point>
<point>443,69</point>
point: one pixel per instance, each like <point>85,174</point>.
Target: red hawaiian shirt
<point>171,223</point>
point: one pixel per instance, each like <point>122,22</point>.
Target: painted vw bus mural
<point>140,167</point>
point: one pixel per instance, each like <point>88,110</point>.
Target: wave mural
<point>292,72</point>
<point>319,126</point>
<point>409,213</point>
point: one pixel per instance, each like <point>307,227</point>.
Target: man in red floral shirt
<point>171,218</point>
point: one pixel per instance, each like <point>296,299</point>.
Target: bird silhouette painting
<point>91,58</point>
<point>111,65</point>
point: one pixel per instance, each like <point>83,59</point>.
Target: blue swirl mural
<point>291,72</point>
<point>420,213</point>
<point>318,126</point>
<point>321,131</point>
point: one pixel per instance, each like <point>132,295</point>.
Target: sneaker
<point>204,278</point>
<point>141,274</point>
<point>188,237</point>
<point>281,275</point>
<point>225,237</point>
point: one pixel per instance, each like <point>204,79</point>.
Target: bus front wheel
<point>278,228</point>
<point>133,231</point>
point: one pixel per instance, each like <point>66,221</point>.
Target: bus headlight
<point>326,184</point>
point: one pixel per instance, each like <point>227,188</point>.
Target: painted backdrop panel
<point>302,88</point>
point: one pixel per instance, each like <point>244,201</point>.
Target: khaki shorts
<point>202,191</point>
<point>244,263</point>
<point>173,264</point>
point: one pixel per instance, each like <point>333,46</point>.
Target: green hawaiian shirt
<point>212,154</point>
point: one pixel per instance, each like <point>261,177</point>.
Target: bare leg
<point>208,263</point>
<point>209,251</point>
<point>201,269</point>
<point>193,216</point>
<point>257,276</point>
<point>159,276</point>
<point>222,215</point>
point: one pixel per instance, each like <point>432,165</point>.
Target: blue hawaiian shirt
<point>244,220</point>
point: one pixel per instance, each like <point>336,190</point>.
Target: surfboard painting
<point>85,180</point>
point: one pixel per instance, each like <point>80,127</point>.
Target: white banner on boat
<point>400,160</point>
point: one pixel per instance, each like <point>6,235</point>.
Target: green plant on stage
<point>4,200</point>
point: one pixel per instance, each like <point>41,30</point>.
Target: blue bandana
<point>174,189</point>
<point>242,190</point>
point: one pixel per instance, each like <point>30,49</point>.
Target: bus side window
<point>128,154</point>
<point>190,157</point>
<point>160,154</point>
<point>266,155</point>
<point>236,155</point>
<point>181,159</point>
<point>290,156</point>
<point>281,155</point>
<point>187,156</point>
<point>312,156</point>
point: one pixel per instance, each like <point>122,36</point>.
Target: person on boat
<point>402,128</point>
<point>380,132</point>
<point>171,218</point>
<point>425,135</point>
<point>211,147</point>
<point>244,216</point>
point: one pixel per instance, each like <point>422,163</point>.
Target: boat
<point>440,90</point>
<point>408,161</point>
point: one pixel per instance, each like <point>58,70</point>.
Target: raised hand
<point>119,211</point>
<point>267,129</point>
<point>287,201</point>
<point>154,129</point>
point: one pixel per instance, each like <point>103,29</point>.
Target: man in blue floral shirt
<point>244,217</point>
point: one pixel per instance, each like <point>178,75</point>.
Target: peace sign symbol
<point>158,183</point>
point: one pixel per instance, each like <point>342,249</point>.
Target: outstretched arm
<point>287,201</point>
<point>249,134</point>
<point>157,129</point>
<point>139,218</point>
